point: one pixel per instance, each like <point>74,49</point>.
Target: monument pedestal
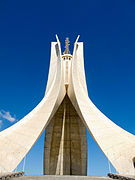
<point>55,177</point>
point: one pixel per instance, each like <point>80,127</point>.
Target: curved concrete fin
<point>53,65</point>
<point>80,62</point>
<point>77,39</point>
<point>117,144</point>
<point>17,140</point>
<point>58,41</point>
<point>55,54</point>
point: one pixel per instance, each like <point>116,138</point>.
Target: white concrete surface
<point>17,140</point>
<point>67,77</point>
<point>117,144</point>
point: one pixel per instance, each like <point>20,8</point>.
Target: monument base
<point>54,177</point>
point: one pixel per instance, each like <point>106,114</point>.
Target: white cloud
<point>7,116</point>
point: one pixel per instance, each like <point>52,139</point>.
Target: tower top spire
<point>66,46</point>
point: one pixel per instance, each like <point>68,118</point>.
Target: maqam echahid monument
<point>65,112</point>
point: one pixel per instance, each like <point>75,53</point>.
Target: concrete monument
<point>66,111</point>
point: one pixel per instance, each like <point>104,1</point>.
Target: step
<point>51,177</point>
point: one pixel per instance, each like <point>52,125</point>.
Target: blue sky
<point>107,29</point>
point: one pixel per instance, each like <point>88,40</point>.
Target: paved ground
<point>60,178</point>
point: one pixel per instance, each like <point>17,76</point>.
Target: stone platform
<point>40,177</point>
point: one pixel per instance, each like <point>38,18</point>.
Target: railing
<point>5,176</point>
<point>120,177</point>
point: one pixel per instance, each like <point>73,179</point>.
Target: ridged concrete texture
<point>65,151</point>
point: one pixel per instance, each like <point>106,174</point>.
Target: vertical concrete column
<point>65,151</point>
